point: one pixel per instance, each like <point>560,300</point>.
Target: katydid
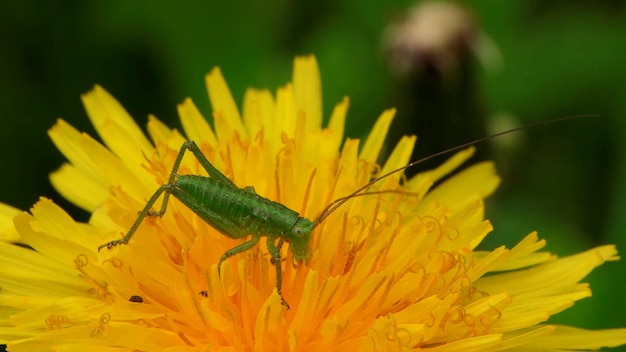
<point>240,212</point>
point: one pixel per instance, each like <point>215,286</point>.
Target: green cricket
<point>240,212</point>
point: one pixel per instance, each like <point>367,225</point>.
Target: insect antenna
<point>334,205</point>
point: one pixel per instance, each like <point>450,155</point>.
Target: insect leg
<point>146,210</point>
<point>173,174</point>
<point>236,250</point>
<point>142,215</point>
<point>275,253</point>
<point>206,164</point>
<point>211,170</point>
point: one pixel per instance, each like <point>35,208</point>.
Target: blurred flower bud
<point>436,35</point>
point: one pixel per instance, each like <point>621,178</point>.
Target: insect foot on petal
<point>112,244</point>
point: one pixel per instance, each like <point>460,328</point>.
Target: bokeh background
<point>511,63</point>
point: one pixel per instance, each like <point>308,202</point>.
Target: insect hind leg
<point>164,188</point>
<point>204,162</point>
<point>193,148</point>
<point>213,172</point>
<point>142,215</point>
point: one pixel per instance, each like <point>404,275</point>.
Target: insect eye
<point>297,231</point>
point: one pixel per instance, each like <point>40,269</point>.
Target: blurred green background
<point>557,58</point>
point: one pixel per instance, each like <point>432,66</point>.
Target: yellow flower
<point>390,271</point>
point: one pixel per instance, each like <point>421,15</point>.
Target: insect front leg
<point>275,253</point>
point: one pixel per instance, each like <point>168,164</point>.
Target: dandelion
<point>390,271</point>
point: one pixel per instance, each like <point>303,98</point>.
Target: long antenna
<point>334,205</point>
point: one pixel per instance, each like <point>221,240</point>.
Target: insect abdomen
<point>236,212</point>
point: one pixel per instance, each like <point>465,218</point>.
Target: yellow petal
<point>116,127</point>
<point>308,91</point>
<point>444,169</point>
<point>374,142</point>
<point>195,125</point>
<point>67,139</point>
<point>7,230</point>
<point>79,187</point>
<point>52,232</point>
<point>333,134</point>
<point>30,274</point>
<point>285,114</point>
<point>258,113</point>
<point>399,157</point>
<point>523,255</point>
<point>225,113</point>
<point>569,338</point>
<point>557,273</point>
<point>161,134</point>
<point>476,181</point>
